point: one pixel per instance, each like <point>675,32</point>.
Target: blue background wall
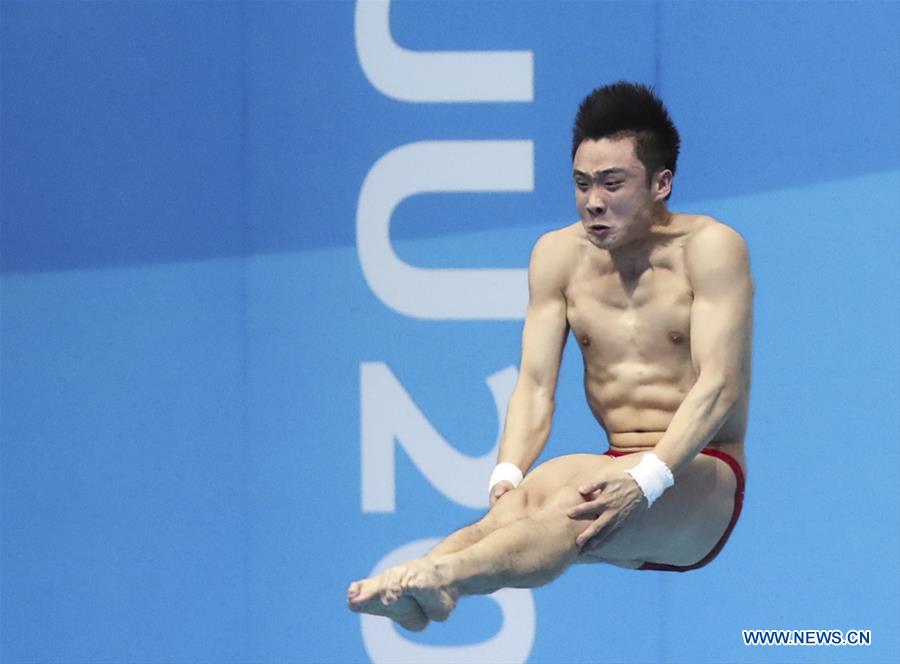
<point>185,320</point>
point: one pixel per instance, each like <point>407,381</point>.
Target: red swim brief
<point>738,504</point>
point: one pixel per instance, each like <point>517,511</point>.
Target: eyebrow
<point>600,174</point>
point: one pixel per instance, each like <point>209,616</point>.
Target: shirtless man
<point>660,304</point>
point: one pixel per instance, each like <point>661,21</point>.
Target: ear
<point>662,184</point>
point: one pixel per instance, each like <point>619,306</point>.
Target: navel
<point>676,337</point>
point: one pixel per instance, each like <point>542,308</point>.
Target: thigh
<point>683,525</point>
<point>540,484</point>
<point>570,470</point>
<point>680,528</point>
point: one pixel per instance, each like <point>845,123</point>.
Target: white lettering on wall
<point>437,76</point>
<point>440,166</point>
<point>390,418</point>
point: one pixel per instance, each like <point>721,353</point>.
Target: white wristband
<point>652,475</point>
<point>506,471</point>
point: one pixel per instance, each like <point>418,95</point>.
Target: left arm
<point>721,320</point>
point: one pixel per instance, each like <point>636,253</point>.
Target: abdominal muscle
<point>633,429</point>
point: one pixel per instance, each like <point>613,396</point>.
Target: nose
<point>595,205</point>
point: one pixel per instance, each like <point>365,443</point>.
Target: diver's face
<point>612,196</point>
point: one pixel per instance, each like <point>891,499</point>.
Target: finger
<point>589,540</point>
<point>498,491</point>
<point>497,498</point>
<point>591,487</point>
<point>597,540</point>
<point>596,529</point>
<point>584,537</point>
<point>595,507</point>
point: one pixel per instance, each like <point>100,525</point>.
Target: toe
<point>361,593</point>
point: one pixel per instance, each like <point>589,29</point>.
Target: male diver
<point>660,304</point>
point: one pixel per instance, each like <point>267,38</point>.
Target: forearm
<point>527,428</point>
<point>699,417</point>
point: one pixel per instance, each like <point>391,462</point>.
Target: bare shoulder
<point>713,246</point>
<point>551,258</point>
<point>710,234</point>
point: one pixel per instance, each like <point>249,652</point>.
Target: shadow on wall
<point>152,133</point>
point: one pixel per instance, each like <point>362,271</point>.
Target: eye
<point>581,184</point>
<point>613,185</point>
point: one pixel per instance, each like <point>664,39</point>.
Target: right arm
<point>530,411</point>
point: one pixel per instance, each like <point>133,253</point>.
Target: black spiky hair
<point>629,109</point>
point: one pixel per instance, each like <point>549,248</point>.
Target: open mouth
<point>599,227</point>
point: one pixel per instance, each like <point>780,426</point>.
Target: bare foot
<point>423,581</point>
<point>381,596</point>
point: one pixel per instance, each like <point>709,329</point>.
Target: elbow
<point>536,395</point>
<point>542,404</point>
<point>728,390</point>
<point>536,405</point>
<point>723,389</point>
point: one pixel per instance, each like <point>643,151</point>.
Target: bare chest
<point>644,320</point>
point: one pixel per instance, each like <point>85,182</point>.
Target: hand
<point>612,499</point>
<point>499,489</point>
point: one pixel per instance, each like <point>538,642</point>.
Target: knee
<point>511,506</point>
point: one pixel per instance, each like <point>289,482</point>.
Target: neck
<point>660,215</point>
<point>631,261</point>
<point>658,219</point>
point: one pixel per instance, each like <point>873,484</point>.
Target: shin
<point>510,508</point>
<point>525,553</point>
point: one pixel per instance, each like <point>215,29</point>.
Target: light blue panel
<point>123,494</point>
<point>771,95</point>
<point>810,551</point>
